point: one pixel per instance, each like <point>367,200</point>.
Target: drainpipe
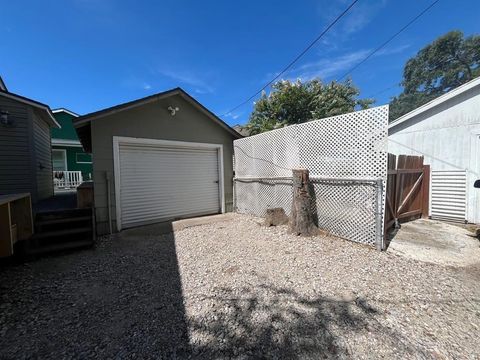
<point>109,202</point>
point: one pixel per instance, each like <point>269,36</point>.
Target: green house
<point>69,159</point>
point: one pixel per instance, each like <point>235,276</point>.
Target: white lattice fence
<point>347,159</point>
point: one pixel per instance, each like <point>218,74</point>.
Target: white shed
<point>446,131</point>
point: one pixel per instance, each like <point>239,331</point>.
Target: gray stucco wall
<point>153,121</point>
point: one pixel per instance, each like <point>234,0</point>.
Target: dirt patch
<point>238,290</point>
<point>436,242</point>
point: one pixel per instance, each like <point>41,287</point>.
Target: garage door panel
<point>160,183</point>
<point>448,195</point>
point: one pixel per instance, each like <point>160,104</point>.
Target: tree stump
<point>302,219</point>
<point>275,217</point>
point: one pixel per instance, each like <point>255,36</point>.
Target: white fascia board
<point>435,102</point>
<point>65,142</point>
<point>65,111</point>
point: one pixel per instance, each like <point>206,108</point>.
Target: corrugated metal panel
<point>163,183</point>
<point>448,195</point>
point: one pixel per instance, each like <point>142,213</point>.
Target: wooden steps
<point>61,230</point>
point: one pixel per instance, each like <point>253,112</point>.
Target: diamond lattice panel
<point>352,146</point>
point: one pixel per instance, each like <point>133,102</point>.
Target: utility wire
<point>434,65</point>
<point>296,58</point>
<point>389,40</point>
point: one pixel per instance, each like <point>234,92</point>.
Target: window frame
<point>82,162</point>
<point>64,152</point>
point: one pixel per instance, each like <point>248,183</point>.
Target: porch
<point>65,180</point>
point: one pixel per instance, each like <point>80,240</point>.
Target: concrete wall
<point>153,121</point>
<point>43,157</point>
<point>448,136</point>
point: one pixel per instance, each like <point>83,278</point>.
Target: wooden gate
<point>407,192</point>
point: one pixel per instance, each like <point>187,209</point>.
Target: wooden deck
<point>60,201</point>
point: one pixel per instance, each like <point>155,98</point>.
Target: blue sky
<point>86,55</point>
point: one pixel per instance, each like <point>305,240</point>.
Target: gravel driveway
<point>234,289</point>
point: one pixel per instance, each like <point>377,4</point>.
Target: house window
<point>83,158</point>
<point>59,158</point>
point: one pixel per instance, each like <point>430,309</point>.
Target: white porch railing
<point>67,179</point>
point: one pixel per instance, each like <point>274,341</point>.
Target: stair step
<point>62,221</point>
<point>42,235</point>
<point>60,246</point>
<point>62,214</point>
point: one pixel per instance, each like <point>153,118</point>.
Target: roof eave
<point>49,118</point>
<point>85,119</point>
<point>65,111</point>
<point>435,102</point>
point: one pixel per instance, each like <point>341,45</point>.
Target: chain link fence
<point>347,159</point>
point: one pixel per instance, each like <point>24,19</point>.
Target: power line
<point>396,84</point>
<point>296,58</point>
<point>384,90</point>
<point>389,40</point>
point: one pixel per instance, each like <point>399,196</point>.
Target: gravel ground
<point>235,289</point>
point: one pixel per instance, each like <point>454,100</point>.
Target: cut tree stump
<point>275,217</point>
<point>302,219</point>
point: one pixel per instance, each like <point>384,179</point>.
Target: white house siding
<point>43,157</point>
<point>15,164</point>
<point>448,136</point>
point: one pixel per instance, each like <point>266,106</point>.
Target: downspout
<point>109,202</point>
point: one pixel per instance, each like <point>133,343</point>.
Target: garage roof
<point>435,102</point>
<point>82,123</point>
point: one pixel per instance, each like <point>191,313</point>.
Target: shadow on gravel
<point>123,299</point>
<point>280,323</point>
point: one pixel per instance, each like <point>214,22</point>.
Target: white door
<point>473,194</point>
<point>162,180</point>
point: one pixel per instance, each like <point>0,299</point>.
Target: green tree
<point>449,61</point>
<point>297,102</point>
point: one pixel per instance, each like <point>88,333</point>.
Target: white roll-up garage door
<point>164,182</point>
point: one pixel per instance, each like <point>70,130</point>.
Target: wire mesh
<point>350,150</point>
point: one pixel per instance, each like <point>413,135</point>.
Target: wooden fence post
<point>426,191</point>
<point>302,222</point>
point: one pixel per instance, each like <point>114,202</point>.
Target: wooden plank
<point>425,190</point>
<point>411,193</point>
<point>21,215</point>
<point>410,213</point>
<point>409,171</point>
<point>8,198</point>
<point>6,246</point>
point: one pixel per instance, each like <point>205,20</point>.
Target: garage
<point>156,159</point>
<point>159,180</point>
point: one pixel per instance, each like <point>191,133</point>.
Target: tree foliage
<point>298,102</point>
<point>449,61</point>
